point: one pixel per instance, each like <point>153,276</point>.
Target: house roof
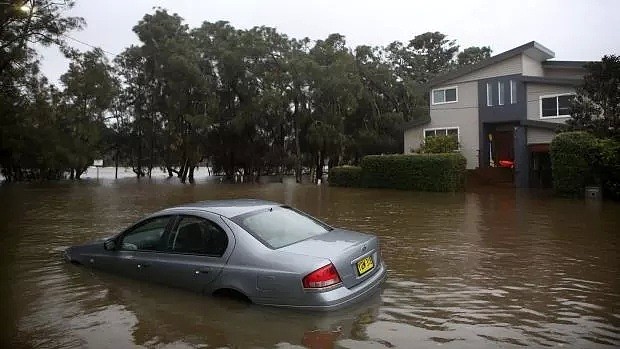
<point>415,123</point>
<point>554,126</point>
<point>532,49</point>
<point>552,81</point>
<point>565,64</point>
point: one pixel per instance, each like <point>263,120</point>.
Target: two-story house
<point>504,110</point>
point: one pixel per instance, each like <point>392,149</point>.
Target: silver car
<point>262,251</point>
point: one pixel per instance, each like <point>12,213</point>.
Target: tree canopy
<point>596,107</point>
<point>240,100</point>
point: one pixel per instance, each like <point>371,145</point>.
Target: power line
<point>89,45</point>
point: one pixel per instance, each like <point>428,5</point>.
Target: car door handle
<point>143,265</point>
<point>202,271</point>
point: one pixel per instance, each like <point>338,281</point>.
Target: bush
<point>573,158</point>
<point>439,144</point>
<point>423,172</point>
<point>609,167</point>
<point>345,176</point>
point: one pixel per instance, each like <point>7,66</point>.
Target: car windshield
<point>280,226</point>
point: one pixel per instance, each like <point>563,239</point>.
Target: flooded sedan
<point>256,250</point>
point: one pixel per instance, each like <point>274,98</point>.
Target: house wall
<point>509,66</point>
<point>539,135</point>
<point>531,67</point>
<point>534,91</point>
<point>462,114</point>
<point>501,113</point>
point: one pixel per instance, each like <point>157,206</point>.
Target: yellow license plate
<point>365,265</point>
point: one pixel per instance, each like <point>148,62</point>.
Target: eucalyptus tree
<point>24,24</point>
<point>335,90</point>
<point>89,89</point>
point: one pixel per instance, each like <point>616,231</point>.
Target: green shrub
<point>439,144</point>
<point>609,167</point>
<point>345,176</point>
<point>573,161</point>
<point>423,172</point>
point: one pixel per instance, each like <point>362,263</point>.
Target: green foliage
<point>608,165</point>
<point>239,99</point>
<point>573,155</point>
<point>32,142</point>
<point>423,172</point>
<point>580,159</point>
<point>473,55</point>
<point>345,176</point>
<point>440,144</point>
<point>596,107</point>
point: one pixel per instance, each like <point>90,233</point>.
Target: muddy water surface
<point>497,268</point>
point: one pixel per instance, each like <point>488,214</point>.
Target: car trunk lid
<point>345,249</point>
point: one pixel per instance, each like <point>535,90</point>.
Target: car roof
<point>227,208</point>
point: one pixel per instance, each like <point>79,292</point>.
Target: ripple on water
<point>475,270</point>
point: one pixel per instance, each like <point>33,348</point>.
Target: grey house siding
<point>506,113</point>
<point>462,114</point>
<point>535,91</point>
<point>502,113</point>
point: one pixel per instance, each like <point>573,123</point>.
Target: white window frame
<point>557,107</point>
<point>489,94</point>
<point>458,133</point>
<point>500,95</point>
<point>444,95</point>
<point>513,91</point>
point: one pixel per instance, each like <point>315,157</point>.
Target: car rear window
<point>280,226</point>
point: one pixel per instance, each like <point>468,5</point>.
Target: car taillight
<point>323,277</point>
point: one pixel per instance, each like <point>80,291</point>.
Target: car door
<point>138,246</point>
<point>199,248</point>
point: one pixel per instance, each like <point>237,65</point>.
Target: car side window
<point>148,236</point>
<point>196,235</point>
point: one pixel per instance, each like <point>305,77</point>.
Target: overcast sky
<point>573,29</point>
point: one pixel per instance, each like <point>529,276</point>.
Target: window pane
<point>451,95</point>
<point>549,106</point>
<point>513,92</point>
<point>453,131</point>
<point>280,226</point>
<point>564,103</point>
<point>501,92</point>
<point>489,95</point>
<point>441,132</point>
<point>429,133</point>
<point>199,236</point>
<point>147,236</point>
<point>438,96</point>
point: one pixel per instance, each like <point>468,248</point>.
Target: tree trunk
<point>191,174</point>
<point>170,171</point>
<point>72,174</point>
<point>183,173</point>
<point>79,172</point>
<point>319,166</point>
<point>116,164</point>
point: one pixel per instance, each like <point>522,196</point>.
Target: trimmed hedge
<point>345,176</point>
<point>609,166</point>
<point>572,158</point>
<point>580,159</point>
<point>422,172</point>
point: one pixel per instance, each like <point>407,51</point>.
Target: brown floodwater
<point>487,269</point>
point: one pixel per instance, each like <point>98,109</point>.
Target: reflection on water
<point>475,270</point>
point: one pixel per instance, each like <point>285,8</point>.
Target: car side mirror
<point>109,245</point>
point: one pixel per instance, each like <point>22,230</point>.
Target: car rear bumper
<point>340,297</point>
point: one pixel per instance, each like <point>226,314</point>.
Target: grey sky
<point>573,29</point>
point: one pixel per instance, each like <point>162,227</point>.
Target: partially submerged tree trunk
<point>191,174</point>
